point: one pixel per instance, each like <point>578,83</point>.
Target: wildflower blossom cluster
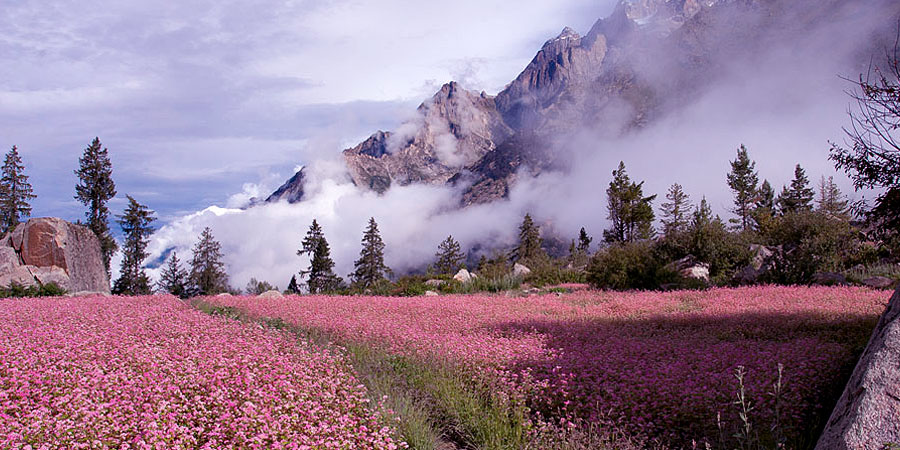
<point>656,364</point>
<point>151,372</point>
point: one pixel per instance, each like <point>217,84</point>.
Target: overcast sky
<point>195,99</point>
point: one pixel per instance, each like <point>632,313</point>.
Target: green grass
<point>859,274</point>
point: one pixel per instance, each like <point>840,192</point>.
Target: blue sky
<point>195,99</point>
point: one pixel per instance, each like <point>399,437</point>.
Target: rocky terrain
<point>647,59</point>
<point>51,250</point>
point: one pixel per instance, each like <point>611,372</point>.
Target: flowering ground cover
<point>655,364</point>
<point>151,372</point>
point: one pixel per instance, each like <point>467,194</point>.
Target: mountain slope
<point>646,60</point>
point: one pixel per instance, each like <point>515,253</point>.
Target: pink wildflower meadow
<point>152,373</point>
<point>656,364</point>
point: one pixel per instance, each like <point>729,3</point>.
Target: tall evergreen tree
<point>95,189</point>
<point>369,269</point>
<point>449,257</point>
<point>174,279</point>
<point>584,242</point>
<point>208,276</point>
<point>630,213</point>
<point>764,209</point>
<point>320,273</point>
<point>15,191</point>
<point>135,223</point>
<point>293,288</point>
<point>530,242</point>
<point>743,180</point>
<point>676,212</point>
<point>831,201</point>
<point>799,197</point>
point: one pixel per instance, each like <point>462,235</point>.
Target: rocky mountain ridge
<point>647,58</point>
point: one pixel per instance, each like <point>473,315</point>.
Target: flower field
<point>659,365</point>
<point>152,373</point>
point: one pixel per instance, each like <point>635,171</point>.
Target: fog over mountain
<point>671,88</point>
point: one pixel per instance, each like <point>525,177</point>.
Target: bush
<point>45,290</point>
<point>811,242</point>
<point>630,265</point>
<point>410,286</point>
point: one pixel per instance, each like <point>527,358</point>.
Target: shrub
<point>409,286</point>
<point>630,265</point>
<point>44,290</point>
<point>811,242</point>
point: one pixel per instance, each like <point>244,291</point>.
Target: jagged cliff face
<point>648,58</point>
<point>454,129</point>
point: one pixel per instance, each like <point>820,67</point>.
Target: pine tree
<point>743,180</point>
<point>15,191</point>
<point>529,247</point>
<point>95,189</point>
<point>321,267</point>
<point>174,279</point>
<point>831,201</point>
<point>449,257</point>
<point>369,269</point>
<point>208,276</point>
<point>676,211</point>
<point>322,278</point>
<point>584,241</point>
<point>256,287</point>
<point>293,288</point>
<point>799,197</point>
<point>630,213</point>
<point>135,223</point>
<point>764,208</point>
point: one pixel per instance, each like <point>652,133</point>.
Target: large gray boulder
<point>51,250</point>
<point>868,412</point>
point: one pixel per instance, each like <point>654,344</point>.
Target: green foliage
<point>256,287</point>
<point>676,211</point>
<point>743,180</point>
<point>629,265</point>
<point>174,279</point>
<point>410,286</point>
<point>208,276</point>
<point>831,201</point>
<point>95,189</point>
<point>449,257</point>
<point>530,242</point>
<point>135,223</point>
<point>320,272</point>
<point>860,273</point>
<point>370,272</point>
<point>495,267</point>
<point>764,210</point>
<point>15,191</point>
<point>799,197</point>
<point>45,290</point>
<point>584,242</point>
<point>630,213</point>
<point>811,242</point>
<point>292,288</point>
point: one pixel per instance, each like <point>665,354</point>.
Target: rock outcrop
<point>868,412</point>
<point>51,250</point>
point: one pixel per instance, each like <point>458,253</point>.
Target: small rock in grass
<point>431,294</point>
<point>879,282</point>
<point>434,283</point>
<point>463,276</point>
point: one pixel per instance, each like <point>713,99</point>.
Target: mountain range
<point>646,60</point>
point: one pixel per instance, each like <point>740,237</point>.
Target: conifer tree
<point>743,180</point>
<point>369,269</point>
<point>584,242</point>
<point>764,208</point>
<point>831,201</point>
<point>95,189</point>
<point>675,212</point>
<point>135,223</point>
<point>449,257</point>
<point>293,288</point>
<point>799,197</point>
<point>174,278</point>
<point>208,276</point>
<point>15,191</point>
<point>630,213</point>
<point>529,247</point>
<point>321,267</point>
